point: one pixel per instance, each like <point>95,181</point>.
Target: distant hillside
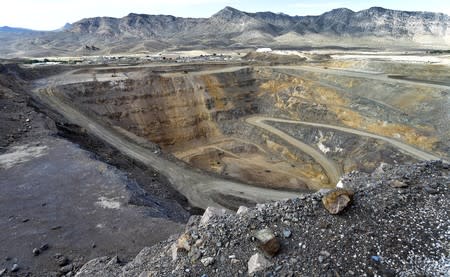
<point>7,29</point>
<point>231,28</point>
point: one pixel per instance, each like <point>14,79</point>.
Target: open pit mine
<point>239,134</point>
<point>336,162</point>
<point>239,144</point>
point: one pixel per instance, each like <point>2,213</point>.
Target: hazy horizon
<point>53,14</point>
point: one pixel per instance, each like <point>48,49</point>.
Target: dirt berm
<point>397,225</point>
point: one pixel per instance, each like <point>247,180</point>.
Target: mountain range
<point>231,28</point>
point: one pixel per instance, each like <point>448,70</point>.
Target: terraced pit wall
<point>169,111</point>
<point>199,117</point>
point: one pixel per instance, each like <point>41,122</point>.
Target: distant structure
<point>263,50</point>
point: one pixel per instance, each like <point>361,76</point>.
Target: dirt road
<point>360,74</point>
<point>201,190</point>
<point>332,170</point>
<point>406,148</point>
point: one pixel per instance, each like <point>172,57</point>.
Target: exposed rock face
<point>237,28</point>
<point>139,25</point>
<point>168,110</point>
<point>387,232</point>
<point>374,21</point>
<point>198,117</point>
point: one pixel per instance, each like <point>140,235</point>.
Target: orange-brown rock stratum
<point>290,128</point>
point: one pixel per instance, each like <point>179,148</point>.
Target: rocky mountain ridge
<point>232,23</point>
<point>7,29</point>
<point>232,28</point>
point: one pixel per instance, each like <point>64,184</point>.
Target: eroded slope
<point>198,116</point>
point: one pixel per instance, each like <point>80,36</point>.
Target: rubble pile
<point>393,222</point>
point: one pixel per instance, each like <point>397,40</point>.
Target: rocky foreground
<point>393,222</point>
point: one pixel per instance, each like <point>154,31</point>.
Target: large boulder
<point>267,241</point>
<point>335,201</point>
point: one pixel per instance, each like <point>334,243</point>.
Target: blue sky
<point>52,14</point>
